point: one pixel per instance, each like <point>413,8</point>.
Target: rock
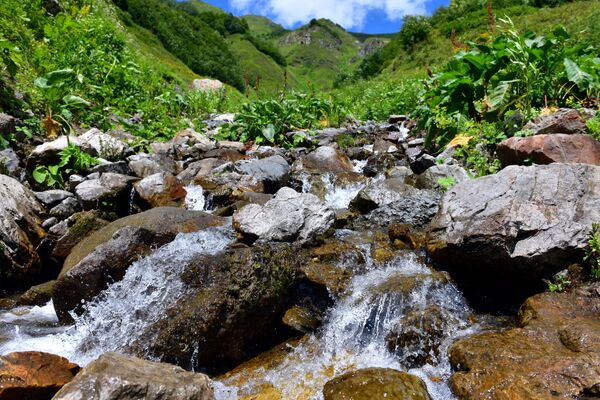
<point>376,384</point>
<point>273,171</point>
<point>37,295</point>
<point>207,85</point>
<point>198,168</point>
<point>75,180</point>
<point>20,234</point>
<point>159,220</point>
<point>119,167</point>
<point>8,124</point>
<point>546,149</point>
<point>301,319</point>
<point>10,164</point>
<point>117,377</point>
<point>113,188</point>
<point>33,375</point>
<point>383,146</point>
<point>76,228</point>
<point>232,311</point>
<point>380,193</point>
<point>514,228</point>
<point>143,166</point>
<point>49,223</point>
<point>161,190</point>
<point>379,163</point>
<point>101,145</point>
<point>48,152</point>
<point>554,353</point>
<point>564,120</point>
<point>397,119</point>
<point>416,338</point>
<point>106,264</point>
<point>422,163</point>
<point>325,159</point>
<point>216,120</point>
<point>229,145</point>
<point>288,216</point>
<point>53,7</point>
<point>225,188</point>
<point>198,141</point>
<point>65,209</point>
<point>430,179</point>
<point>51,198</point>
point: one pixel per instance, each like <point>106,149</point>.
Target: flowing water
<point>117,317</point>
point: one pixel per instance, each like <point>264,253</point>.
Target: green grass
<point>263,27</point>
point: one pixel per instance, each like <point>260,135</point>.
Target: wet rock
<point>301,319</point>
<point>381,193</point>
<point>224,188</point>
<point>565,120</point>
<point>288,216</point>
<point>33,375</point>
<point>101,145</point>
<point>198,168</point>
<point>65,209</point>
<point>325,159</point>
<point>273,171</point>
<point>20,234</point>
<point>143,166</point>
<point>417,337</point>
<point>546,149</point>
<point>514,228</point>
<point>113,188</point>
<point>37,295</point>
<point>430,179</point>
<point>161,190</point>
<point>107,263</point>
<point>422,163</point>
<point>51,198</point>
<point>376,384</point>
<point>10,164</point>
<point>49,223</point>
<point>159,220</point>
<point>358,153</point>
<point>554,353</point>
<point>380,163</point>
<point>76,228</point>
<point>118,377</point>
<point>383,146</point>
<point>233,311</point>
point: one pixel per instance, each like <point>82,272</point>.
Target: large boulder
<point>106,264</point>
<point>108,188</point>
<point>159,220</point>
<point>161,190</point>
<point>102,145</point>
<point>325,159</point>
<point>546,149</point>
<point>68,233</point>
<point>376,384</point>
<point>207,85</point>
<point>117,377</point>
<point>33,375</point>
<point>564,120</point>
<point>273,171</point>
<point>233,308</point>
<point>554,353</point>
<point>20,234</point>
<point>380,193</point>
<point>288,216</point>
<point>500,235</point>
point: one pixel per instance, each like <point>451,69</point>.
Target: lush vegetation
<point>72,161</point>
<point>592,256</point>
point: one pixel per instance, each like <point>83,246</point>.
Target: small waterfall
<point>355,333</point>
<point>337,196</point>
<point>118,316</point>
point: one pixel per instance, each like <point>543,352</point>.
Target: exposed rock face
<point>160,220</point>
<point>376,384</point>
<point>33,375</point>
<point>107,263</point>
<point>565,120</point>
<point>117,377</point>
<point>161,190</point>
<point>546,149</point>
<point>288,216</point>
<point>555,353</point>
<point>235,305</point>
<point>20,234</point>
<point>273,171</point>
<point>511,229</point>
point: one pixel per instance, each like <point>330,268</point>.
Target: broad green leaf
<point>42,83</point>
<point>269,133</point>
<point>575,74</point>
<point>39,175</point>
<point>59,76</point>
<point>498,94</point>
<point>75,101</point>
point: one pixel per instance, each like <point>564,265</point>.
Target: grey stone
<point>422,163</point>
<point>106,188</point>
<point>430,179</point>
<point>380,193</point>
<point>119,167</point>
<point>65,209</point>
<point>274,171</point>
<point>143,165</point>
<point>10,164</point>
<point>51,198</point>
<point>102,145</point>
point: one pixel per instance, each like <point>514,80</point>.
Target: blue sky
<point>370,16</point>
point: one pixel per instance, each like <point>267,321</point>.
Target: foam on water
<point>354,335</point>
<point>117,317</point>
<point>337,196</point>
<point>195,199</point>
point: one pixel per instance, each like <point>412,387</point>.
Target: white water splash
<point>195,199</point>
<point>118,316</point>
<point>337,195</point>
<point>354,335</point>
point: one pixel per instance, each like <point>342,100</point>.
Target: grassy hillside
<point>263,27</point>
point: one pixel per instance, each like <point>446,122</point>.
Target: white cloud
<point>351,14</point>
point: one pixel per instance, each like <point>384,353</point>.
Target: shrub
<point>72,161</point>
<point>415,29</point>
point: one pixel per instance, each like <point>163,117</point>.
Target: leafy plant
<point>593,126</point>
<point>72,161</point>
<point>446,182</point>
<point>592,253</point>
<point>415,29</point>
<point>559,286</point>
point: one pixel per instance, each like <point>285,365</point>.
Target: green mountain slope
<point>263,27</point>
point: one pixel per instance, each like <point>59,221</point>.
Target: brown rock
<point>37,295</point>
<point>555,353</point>
<point>564,120</point>
<point>161,190</point>
<point>79,226</point>
<point>546,149</point>
<point>375,384</point>
<point>33,375</point>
